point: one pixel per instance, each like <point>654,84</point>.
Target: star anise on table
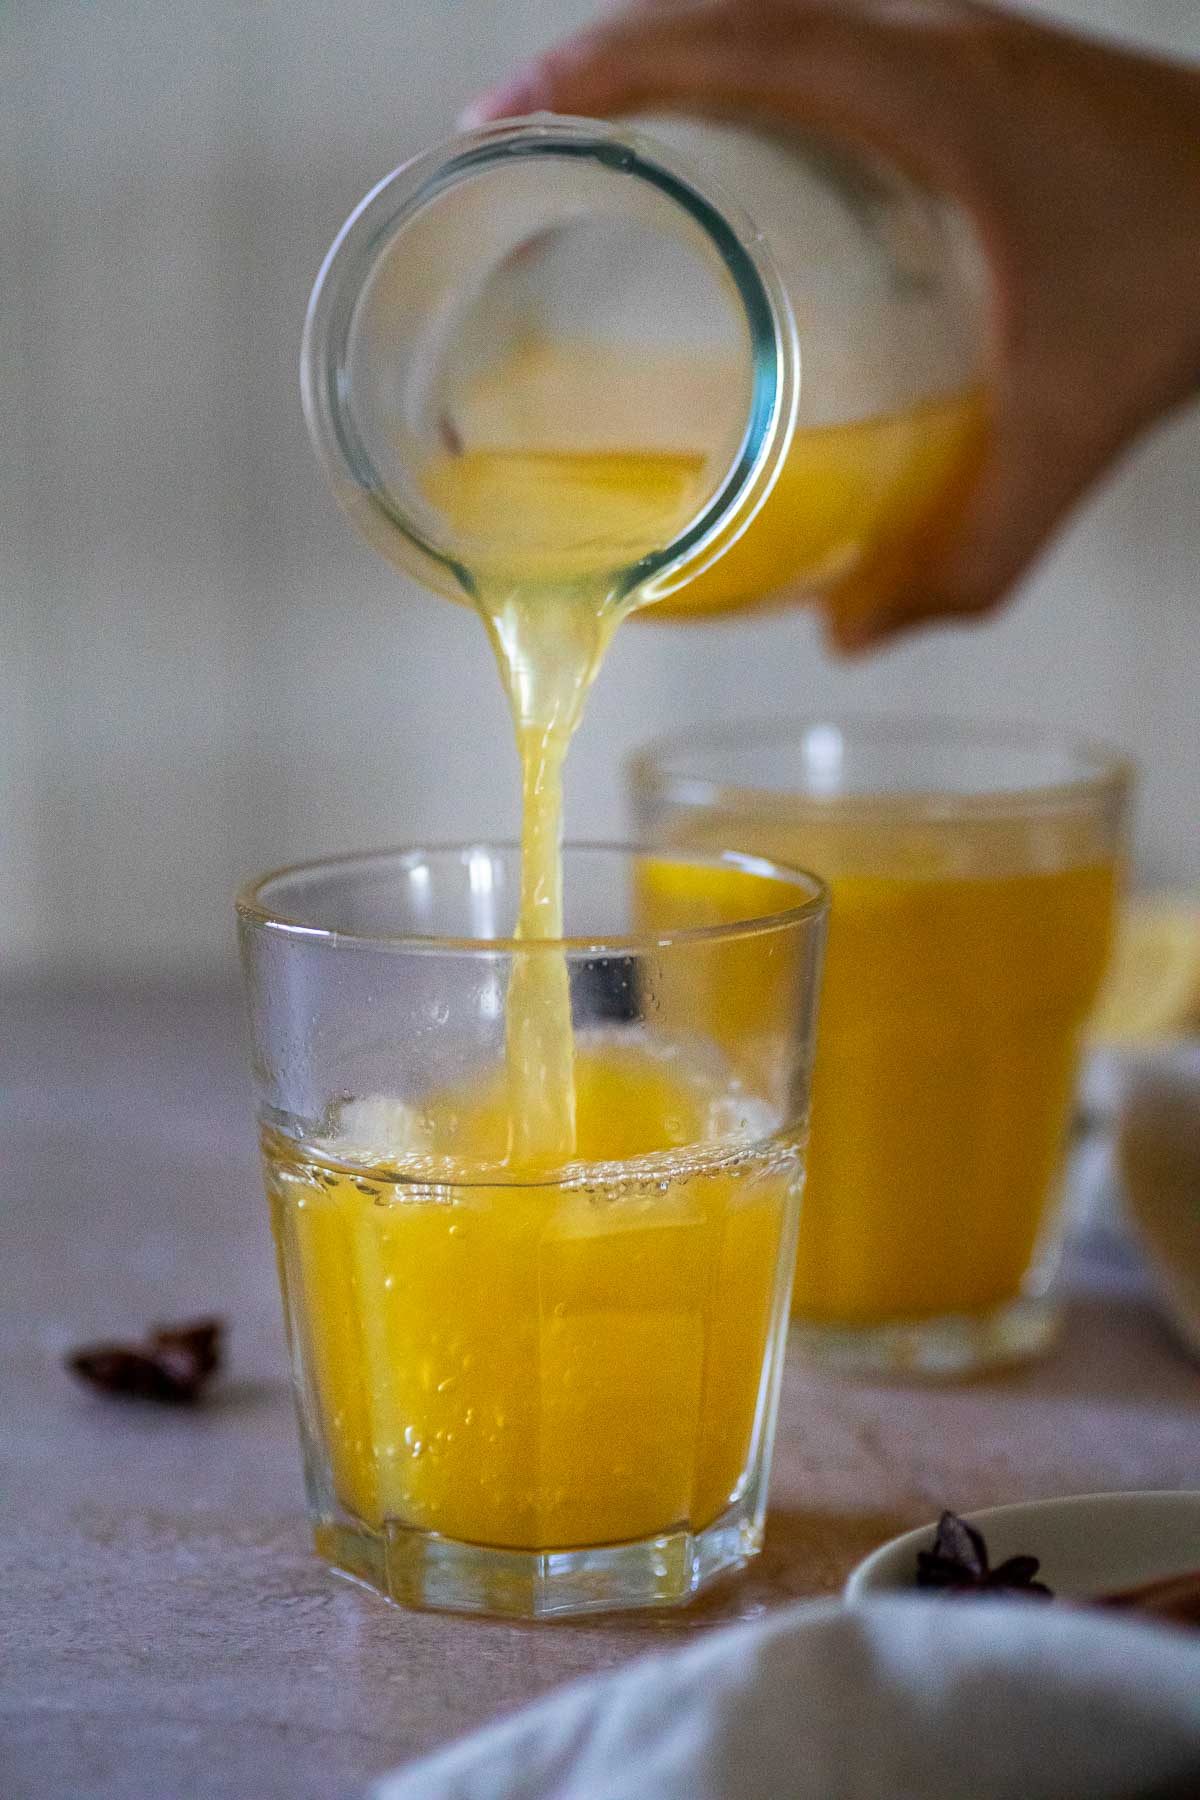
<point>958,1564</point>
<point>171,1364</point>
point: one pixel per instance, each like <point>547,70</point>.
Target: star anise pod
<point>172,1364</point>
<point>958,1564</point>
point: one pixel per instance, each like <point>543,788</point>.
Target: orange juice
<point>536,1364</point>
<point>943,1088</point>
<point>951,1012</point>
<point>855,508</point>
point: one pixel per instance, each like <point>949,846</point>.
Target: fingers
<point>872,73</point>
<point>927,83</point>
<point>680,51</point>
<point>629,61</point>
<point>921,608</point>
<point>1026,488</point>
<point>965,575</point>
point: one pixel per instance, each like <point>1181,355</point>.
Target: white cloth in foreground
<point>896,1700</point>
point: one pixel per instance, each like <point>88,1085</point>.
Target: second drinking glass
<point>973,875</point>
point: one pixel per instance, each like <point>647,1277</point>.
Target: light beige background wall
<point>201,672</point>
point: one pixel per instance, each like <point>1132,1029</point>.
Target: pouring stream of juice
<point>550,628</point>
<point>877,485</point>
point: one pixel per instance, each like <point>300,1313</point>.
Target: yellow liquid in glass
<point>532,1366</point>
<point>951,1011</point>
<point>944,1088</point>
<point>855,508</point>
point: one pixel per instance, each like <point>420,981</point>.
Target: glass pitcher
<point>705,370</point>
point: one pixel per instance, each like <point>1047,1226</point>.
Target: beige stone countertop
<point>164,1627</point>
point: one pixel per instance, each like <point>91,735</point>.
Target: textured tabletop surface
<point>164,1628</point>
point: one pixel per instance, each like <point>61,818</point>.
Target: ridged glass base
<point>420,1569</point>
<point>957,1344</point>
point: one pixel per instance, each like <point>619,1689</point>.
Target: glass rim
<point>253,912</point>
<point>382,214</point>
<point>1104,773</point>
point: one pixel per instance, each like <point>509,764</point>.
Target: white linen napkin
<point>894,1700</point>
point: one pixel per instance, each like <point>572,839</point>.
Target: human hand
<point>1079,162</point>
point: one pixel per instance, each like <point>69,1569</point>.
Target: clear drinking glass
<point>973,875</point>
<point>769,354</point>
<point>533,1392</point>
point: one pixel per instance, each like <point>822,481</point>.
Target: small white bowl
<point>1088,1545</point>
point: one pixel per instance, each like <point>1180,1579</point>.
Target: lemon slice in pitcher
<point>1152,990</point>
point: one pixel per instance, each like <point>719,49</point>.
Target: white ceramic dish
<point>1090,1544</point>
<point>1158,1156</point>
